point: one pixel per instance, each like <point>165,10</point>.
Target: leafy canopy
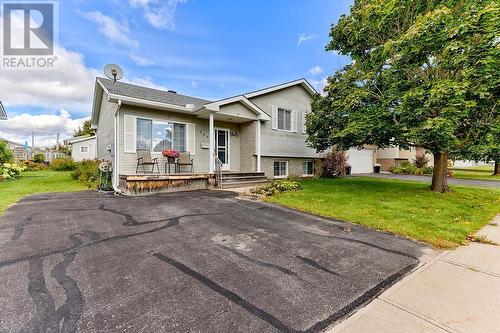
<point>422,72</point>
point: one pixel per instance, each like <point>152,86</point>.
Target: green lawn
<point>36,182</point>
<point>477,172</point>
<point>404,208</point>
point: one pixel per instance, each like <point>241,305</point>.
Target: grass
<point>401,207</point>
<point>477,172</point>
<point>33,182</point>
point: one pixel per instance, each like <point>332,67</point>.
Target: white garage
<point>360,160</point>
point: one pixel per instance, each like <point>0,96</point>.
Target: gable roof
<point>302,82</point>
<point>3,114</point>
<point>150,94</point>
<point>80,139</point>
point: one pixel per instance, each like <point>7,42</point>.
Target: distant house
<point>394,156</point>
<point>83,148</point>
<point>20,152</point>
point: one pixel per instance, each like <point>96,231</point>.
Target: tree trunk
<point>440,173</point>
<point>496,171</point>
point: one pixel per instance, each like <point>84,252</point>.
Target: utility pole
<point>57,144</point>
<point>32,139</point>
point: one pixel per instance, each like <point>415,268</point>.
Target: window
<point>308,168</point>
<point>84,149</point>
<point>280,169</point>
<point>157,135</point>
<point>284,120</point>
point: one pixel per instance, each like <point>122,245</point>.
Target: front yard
<point>478,172</point>
<point>400,207</point>
<point>36,182</point>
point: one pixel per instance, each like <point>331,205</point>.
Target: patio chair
<point>184,160</point>
<point>144,158</point>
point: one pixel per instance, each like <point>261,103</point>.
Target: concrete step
<point>241,174</point>
<point>243,178</point>
<point>244,184</point>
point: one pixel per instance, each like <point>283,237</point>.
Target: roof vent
<point>190,106</point>
<point>172,91</point>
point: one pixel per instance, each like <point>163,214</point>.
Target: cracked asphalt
<point>186,262</point>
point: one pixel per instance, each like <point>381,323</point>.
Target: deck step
<point>254,183</point>
<point>241,174</point>
<point>243,178</point>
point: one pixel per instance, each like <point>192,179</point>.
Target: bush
<point>87,172</point>
<point>277,186</point>
<point>421,161</point>
<point>63,164</point>
<point>33,166</point>
<point>39,158</point>
<point>407,168</point>
<point>335,164</point>
<point>10,171</point>
<point>6,155</point>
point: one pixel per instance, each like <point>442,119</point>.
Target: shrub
<point>63,164</point>
<point>277,186</point>
<point>407,168</point>
<point>335,164</point>
<point>33,166</point>
<point>87,172</point>
<point>421,161</point>
<point>39,158</point>
<point>10,171</point>
<point>6,155</point>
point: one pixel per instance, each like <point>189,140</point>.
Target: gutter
<point>116,165</point>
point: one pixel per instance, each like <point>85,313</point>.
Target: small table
<point>168,164</point>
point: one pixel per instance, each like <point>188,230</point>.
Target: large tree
<point>85,130</point>
<point>422,72</point>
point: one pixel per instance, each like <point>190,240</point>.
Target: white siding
<point>282,143</point>
<point>105,129</point>
<point>128,160</point>
<point>91,154</point>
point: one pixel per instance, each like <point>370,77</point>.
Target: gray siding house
<point>260,131</point>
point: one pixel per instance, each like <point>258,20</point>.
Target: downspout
<point>116,165</point>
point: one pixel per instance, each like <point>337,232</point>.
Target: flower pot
<point>170,159</point>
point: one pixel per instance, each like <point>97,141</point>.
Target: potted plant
<point>170,154</point>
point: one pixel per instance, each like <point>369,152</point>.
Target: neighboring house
<point>83,148</point>
<point>260,131</point>
<point>20,152</point>
<point>394,156</point>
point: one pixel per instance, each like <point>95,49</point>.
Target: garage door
<point>361,161</point>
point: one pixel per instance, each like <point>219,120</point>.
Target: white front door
<point>222,147</point>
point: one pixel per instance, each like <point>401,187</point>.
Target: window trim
<point>287,169</point>
<point>158,153</point>
<point>82,151</point>
<point>278,108</point>
<point>308,174</point>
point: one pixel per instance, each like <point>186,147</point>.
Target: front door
<point>222,147</point>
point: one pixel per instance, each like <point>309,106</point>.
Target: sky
<point>208,49</point>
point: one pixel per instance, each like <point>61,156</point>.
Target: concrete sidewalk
<point>457,291</point>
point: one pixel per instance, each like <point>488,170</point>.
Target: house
<point>394,156</point>
<point>261,132</point>
<point>20,152</point>
<point>83,148</point>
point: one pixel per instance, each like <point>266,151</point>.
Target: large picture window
<point>284,120</point>
<point>157,136</point>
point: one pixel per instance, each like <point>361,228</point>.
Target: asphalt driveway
<point>185,262</point>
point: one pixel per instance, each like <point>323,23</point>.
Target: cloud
<point>115,31</point>
<point>319,84</point>
<point>316,70</point>
<point>160,14</point>
<point>141,61</point>
<point>45,126</point>
<point>303,37</point>
<point>195,84</point>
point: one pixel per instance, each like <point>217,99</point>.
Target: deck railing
<point>218,171</point>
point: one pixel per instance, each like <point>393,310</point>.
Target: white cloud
<point>303,37</point>
<point>141,61</point>
<point>160,14</point>
<point>195,84</point>
<point>319,84</point>
<point>45,126</point>
<point>316,70</point>
<point>115,31</point>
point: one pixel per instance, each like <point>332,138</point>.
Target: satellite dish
<point>113,72</point>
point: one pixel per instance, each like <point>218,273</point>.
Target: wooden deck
<point>159,183</point>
